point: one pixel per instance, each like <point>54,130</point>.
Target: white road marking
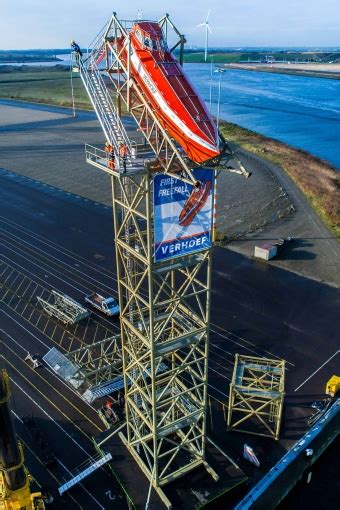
<point>316,371</point>
<point>110,495</point>
<point>58,247</point>
<point>23,327</point>
<point>50,256</point>
<point>50,417</point>
<point>17,417</point>
<point>216,389</point>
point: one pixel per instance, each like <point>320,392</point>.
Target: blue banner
<point>182,214</point>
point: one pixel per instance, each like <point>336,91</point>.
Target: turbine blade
<point>208,15</point>
<point>209,28</point>
<point>201,25</point>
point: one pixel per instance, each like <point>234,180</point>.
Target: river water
<point>299,110</point>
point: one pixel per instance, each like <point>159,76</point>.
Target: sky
<point>26,24</point>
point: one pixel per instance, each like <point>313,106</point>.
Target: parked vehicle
<point>107,305</point>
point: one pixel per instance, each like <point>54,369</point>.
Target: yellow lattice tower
<point>256,396</point>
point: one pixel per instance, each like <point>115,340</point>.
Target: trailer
<point>107,305</point>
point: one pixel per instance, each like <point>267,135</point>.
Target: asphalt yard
<point>51,239</point>
<point>56,232</point>
<point>31,266</point>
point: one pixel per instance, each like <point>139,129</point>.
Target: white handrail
<point>98,37</point>
<point>104,106</point>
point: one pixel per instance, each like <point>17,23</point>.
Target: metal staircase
<point>103,104</point>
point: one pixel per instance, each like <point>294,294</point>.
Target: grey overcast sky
<point>52,23</point>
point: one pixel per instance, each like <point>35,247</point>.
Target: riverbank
<point>44,85</point>
<point>318,180</point>
<point>330,71</point>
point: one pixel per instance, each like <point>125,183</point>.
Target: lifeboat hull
<point>177,105</point>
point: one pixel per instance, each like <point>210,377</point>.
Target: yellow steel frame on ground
<point>256,396</point>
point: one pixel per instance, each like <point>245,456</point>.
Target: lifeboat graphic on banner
<point>182,215</point>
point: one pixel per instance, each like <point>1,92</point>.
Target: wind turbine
<point>207,30</point>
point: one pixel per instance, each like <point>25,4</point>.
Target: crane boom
<point>15,493</point>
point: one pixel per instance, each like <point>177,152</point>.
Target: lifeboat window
<point>154,44</point>
<point>139,36</point>
<point>147,42</point>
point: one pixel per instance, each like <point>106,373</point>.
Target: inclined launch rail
<point>63,308</point>
<point>169,156</point>
<point>130,94</point>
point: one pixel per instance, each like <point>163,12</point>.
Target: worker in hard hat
<point>123,152</point>
<point>110,155</point>
<point>76,49</point>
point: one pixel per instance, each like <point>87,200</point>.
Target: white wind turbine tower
<point>207,30</point>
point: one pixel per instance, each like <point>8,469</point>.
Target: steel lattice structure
<point>165,328</point>
<point>256,396</point>
<point>169,158</point>
<point>63,308</point>
<point>165,306</point>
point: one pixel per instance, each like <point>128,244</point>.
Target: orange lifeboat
<point>167,88</point>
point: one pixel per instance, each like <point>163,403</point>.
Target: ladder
<point>103,104</point>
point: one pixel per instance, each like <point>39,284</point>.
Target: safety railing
<point>97,41</point>
<point>98,157</point>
